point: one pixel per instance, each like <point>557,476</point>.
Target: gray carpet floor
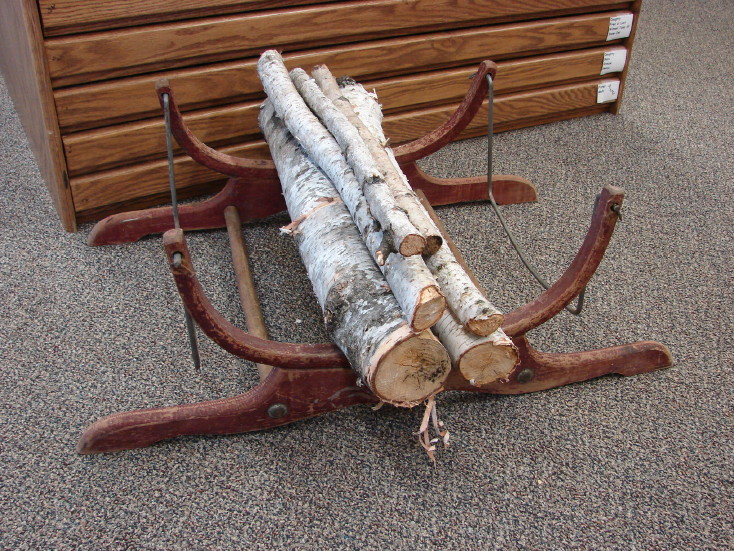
<point>641,462</point>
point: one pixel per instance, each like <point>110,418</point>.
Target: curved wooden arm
<point>578,274</point>
<point>430,143</point>
<point>254,199</point>
<point>412,151</point>
<point>233,339</point>
<point>238,167</point>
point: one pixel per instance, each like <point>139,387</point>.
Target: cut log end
<point>431,306</point>
<point>411,371</point>
<point>487,363</point>
<point>412,244</point>
<point>433,244</point>
<point>485,326</point>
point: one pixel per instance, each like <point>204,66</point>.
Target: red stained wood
<point>232,338</point>
<point>572,282</point>
<point>550,370</point>
<point>304,393</point>
<point>312,379</point>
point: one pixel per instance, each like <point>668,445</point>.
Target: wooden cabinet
<point>82,75</point>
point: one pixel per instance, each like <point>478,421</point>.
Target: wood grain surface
<point>103,104</point>
<point>102,193</point>
<point>74,16</point>
<point>512,108</point>
<point>23,66</point>
<point>131,143</point>
<point>89,57</point>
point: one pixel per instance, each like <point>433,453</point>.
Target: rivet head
<point>525,376</point>
<point>276,411</point>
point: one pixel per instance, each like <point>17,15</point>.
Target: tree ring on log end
<point>410,371</point>
<point>487,363</point>
<point>432,306</point>
<point>485,326</point>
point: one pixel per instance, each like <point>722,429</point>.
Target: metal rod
<point>169,149</point>
<point>490,146</point>
<point>245,283</point>
<point>190,327</point>
<point>490,133</point>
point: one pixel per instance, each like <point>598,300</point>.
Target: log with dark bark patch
<point>361,313</point>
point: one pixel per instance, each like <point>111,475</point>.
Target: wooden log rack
<point>299,380</point>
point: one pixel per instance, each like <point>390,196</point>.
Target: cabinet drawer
<point>110,191</point>
<point>61,17</point>
<point>121,100</point>
<point>131,143</point>
<point>95,56</point>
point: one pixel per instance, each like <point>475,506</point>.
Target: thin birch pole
<point>463,298</point>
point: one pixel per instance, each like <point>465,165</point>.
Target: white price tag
<point>620,26</point>
<point>607,91</point>
<point>613,61</point>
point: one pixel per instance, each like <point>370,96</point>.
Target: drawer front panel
<point>141,141</point>
<point>95,56</point>
<point>129,99</point>
<point>111,190</point>
<point>61,17</point>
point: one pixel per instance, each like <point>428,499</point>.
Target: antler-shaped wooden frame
<point>304,380</point>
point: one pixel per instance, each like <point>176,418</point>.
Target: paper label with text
<point>607,91</point>
<point>620,26</point>
<point>613,61</point>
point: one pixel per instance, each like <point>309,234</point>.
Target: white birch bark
<point>481,360</point>
<point>374,139</point>
<point>468,304</point>
<point>326,151</point>
<point>360,312</point>
<point>413,284</point>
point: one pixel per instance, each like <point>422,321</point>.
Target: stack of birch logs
<point>381,270</point>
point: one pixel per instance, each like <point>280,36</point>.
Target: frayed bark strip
<point>360,312</point>
<point>293,226</point>
<point>430,416</point>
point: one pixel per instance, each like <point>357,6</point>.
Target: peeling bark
<point>361,313</point>
<point>468,304</point>
<point>374,138</point>
<point>414,287</point>
<point>325,147</point>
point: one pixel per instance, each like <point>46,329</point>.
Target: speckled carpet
<point>642,462</point>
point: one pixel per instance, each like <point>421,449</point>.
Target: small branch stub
<point>361,313</point>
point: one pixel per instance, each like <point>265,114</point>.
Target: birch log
<point>412,283</point>
<point>376,143</point>
<point>463,298</point>
<point>326,151</point>
<point>481,360</point>
<point>360,312</point>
